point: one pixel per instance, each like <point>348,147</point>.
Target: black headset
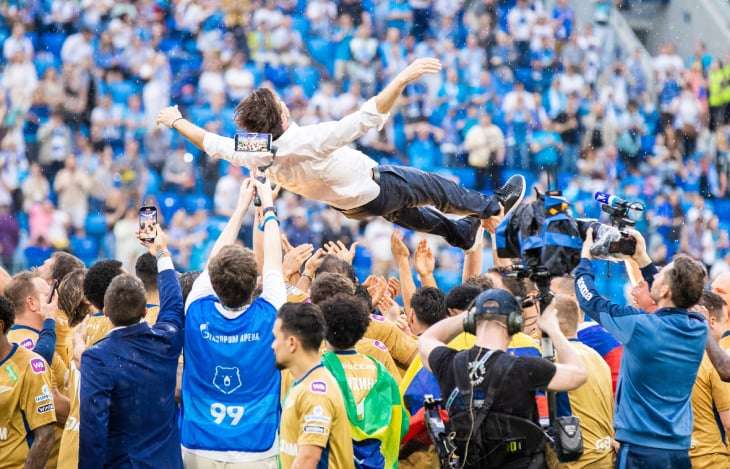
<point>515,321</point>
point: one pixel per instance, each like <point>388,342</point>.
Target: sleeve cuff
<point>165,263</point>
<point>214,145</point>
<point>370,108</point>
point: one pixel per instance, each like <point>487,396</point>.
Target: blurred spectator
<point>485,144</point>
<point>128,248</point>
<point>55,142</point>
<point>73,185</point>
<point>77,48</point>
<point>35,188</point>
<point>9,236</point>
<point>18,44</point>
<point>226,192</point>
<point>178,172</point>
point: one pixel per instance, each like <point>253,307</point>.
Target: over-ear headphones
<point>515,321</point>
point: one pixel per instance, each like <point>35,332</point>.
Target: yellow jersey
<point>97,326</point>
<point>151,314</point>
<point>361,373</point>
<point>27,337</point>
<point>64,338</point>
<point>314,414</point>
<point>593,404</point>
<point>378,350</point>
<point>709,395</point>
<point>68,455</point>
<point>26,403</point>
<point>401,346</point>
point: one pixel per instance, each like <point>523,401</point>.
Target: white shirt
<point>76,49</point>
<point>314,161</point>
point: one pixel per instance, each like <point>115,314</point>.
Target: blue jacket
<point>128,410</point>
<point>662,352</point>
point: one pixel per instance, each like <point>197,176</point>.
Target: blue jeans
<point>642,457</point>
<point>407,196</point>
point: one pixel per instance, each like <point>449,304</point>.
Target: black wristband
<point>267,210</point>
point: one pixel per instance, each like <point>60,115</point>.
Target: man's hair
<point>71,297</point>
<point>713,303</point>
<point>233,275</point>
<point>260,112</point>
<point>125,302</point>
<point>461,296</point>
<point>63,264</point>
<point>7,314</point>
<point>363,293</point>
<point>328,285</point>
<point>568,313</point>
<point>686,279</point>
<point>187,279</point>
<point>97,280</point>
<point>20,288</point>
<point>563,285</point>
<point>429,305</point>
<point>346,318</point>
<point>335,265</point>
<point>146,270</point>
<point>305,322</point>
<point>481,281</point>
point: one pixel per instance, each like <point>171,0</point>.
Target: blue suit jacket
<point>128,409</point>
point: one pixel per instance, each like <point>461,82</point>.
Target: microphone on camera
<point>609,199</point>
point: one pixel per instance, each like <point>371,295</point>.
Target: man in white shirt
<point>316,162</point>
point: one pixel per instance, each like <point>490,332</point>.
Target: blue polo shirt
<point>662,352</point>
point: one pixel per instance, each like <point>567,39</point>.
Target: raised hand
<point>311,266</point>
<point>424,260</point>
<point>377,287</point>
<point>340,250</point>
<point>393,287</point>
<point>418,68</point>
<point>397,246</point>
<point>168,115</point>
<point>295,258</point>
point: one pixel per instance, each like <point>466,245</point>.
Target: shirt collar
<point>125,327</point>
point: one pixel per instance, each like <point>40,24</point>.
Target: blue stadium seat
<point>721,207</point>
<point>301,24</point>
<point>121,91</point>
<point>467,176</point>
<point>194,202</point>
<point>35,256</point>
<point>153,182</point>
<point>169,204</point>
<point>96,225</point>
<point>52,42</point>
<point>307,78</point>
<point>322,51</point>
<point>86,249</point>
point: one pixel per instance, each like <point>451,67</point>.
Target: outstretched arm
<point>386,99</point>
<point>172,117</point>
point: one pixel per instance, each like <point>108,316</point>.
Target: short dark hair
<point>461,296</point>
<point>481,281</point>
<point>334,264</point>
<point>20,287</point>
<point>363,293</point>
<point>233,275</point>
<point>63,264</point>
<point>187,279</point>
<point>429,305</point>
<point>686,280</point>
<point>713,303</point>
<point>146,270</point>
<point>346,318</point>
<point>305,322</point>
<point>513,285</point>
<point>328,285</point>
<point>71,297</point>
<point>260,112</point>
<point>97,280</point>
<point>124,301</point>
<point>7,314</point>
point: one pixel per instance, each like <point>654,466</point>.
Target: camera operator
<point>490,394</point>
<point>662,352</point>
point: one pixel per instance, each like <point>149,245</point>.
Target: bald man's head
<point>721,286</point>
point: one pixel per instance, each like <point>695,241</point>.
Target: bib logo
<point>27,343</point>
<point>320,387</point>
<point>227,379</point>
<point>38,365</point>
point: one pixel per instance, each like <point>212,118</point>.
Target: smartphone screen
<point>252,141</point>
<point>147,222</point>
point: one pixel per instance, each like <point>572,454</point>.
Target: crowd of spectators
<point>524,89</point>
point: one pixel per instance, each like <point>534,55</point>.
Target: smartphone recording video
<point>252,142</point>
<point>147,222</point>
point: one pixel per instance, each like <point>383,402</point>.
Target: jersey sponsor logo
<point>227,379</point>
<point>4,389</point>
<point>45,395</point>
<point>604,445</point>
<point>45,408</point>
<point>72,424</point>
<point>318,429</point>
<point>288,448</point>
<point>3,433</point>
<point>375,317</point>
<point>360,383</point>
<point>317,414</point>
<point>583,290</point>
<point>380,345</point>
<point>320,387</point>
<point>38,365</point>
<point>241,338</point>
<point>27,343</point>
